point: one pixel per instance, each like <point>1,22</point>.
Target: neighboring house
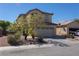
<point>68,28</point>
<point>61,30</point>
<point>49,30</point>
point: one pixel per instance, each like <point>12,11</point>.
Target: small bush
<point>17,36</point>
<point>14,40</point>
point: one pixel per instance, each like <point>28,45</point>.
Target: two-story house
<point>49,30</point>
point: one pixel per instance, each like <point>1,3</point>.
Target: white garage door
<point>45,32</point>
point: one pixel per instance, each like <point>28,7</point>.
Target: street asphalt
<point>44,51</point>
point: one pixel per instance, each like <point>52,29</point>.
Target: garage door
<point>46,32</point>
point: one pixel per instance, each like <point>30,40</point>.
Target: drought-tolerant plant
<point>14,39</point>
<point>11,40</point>
<point>35,21</point>
<point>22,26</point>
<point>28,26</point>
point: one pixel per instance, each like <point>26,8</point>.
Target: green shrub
<point>14,40</point>
<point>17,36</point>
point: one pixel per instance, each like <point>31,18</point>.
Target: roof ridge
<point>38,10</point>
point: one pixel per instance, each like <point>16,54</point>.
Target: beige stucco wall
<point>46,17</point>
<point>61,31</point>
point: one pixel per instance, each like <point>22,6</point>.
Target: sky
<point>62,11</point>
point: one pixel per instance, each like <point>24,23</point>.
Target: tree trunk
<point>25,37</point>
<point>33,37</point>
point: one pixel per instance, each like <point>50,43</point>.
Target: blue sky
<point>62,11</point>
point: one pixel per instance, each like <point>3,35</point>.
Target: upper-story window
<point>46,18</point>
<point>34,14</point>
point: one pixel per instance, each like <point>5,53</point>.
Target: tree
<point>36,20</point>
<point>76,20</point>
<point>20,26</point>
<point>27,26</point>
<point>12,27</point>
<point>4,25</point>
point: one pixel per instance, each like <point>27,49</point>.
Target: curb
<point>25,47</point>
